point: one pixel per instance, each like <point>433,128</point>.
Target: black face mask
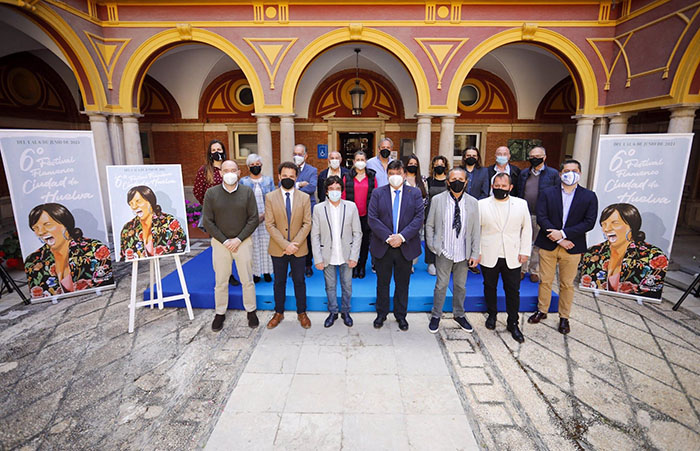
<point>412,169</point>
<point>385,153</point>
<point>500,193</point>
<point>287,183</point>
<point>534,162</point>
<point>217,156</point>
<point>457,186</point>
<point>439,170</point>
<point>471,161</point>
<point>255,170</point>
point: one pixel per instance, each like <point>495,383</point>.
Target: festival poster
<point>639,183</point>
<point>148,211</point>
<point>58,210</point>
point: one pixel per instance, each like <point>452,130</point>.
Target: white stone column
<point>582,144</point>
<point>103,154</point>
<point>265,144</point>
<point>286,137</point>
<point>600,127</point>
<point>132,140</point>
<point>618,123</point>
<point>682,119</point>
<point>447,137</point>
<point>116,139</point>
<point>423,141</point>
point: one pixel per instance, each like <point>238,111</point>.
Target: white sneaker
<point>431,269</point>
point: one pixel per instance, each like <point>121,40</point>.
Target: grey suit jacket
<point>435,225</point>
<point>350,233</point>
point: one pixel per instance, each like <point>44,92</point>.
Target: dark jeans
<point>364,247</point>
<point>511,285</point>
<point>394,261</point>
<point>279,266</point>
<point>309,257</point>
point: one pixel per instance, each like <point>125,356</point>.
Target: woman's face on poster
<point>50,231</point>
<point>140,206</point>
<point>616,230</point>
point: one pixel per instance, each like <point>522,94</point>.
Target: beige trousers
<point>222,258</point>
<point>568,267</point>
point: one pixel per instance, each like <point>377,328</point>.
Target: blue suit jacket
<point>581,219</point>
<point>549,177</point>
<point>379,214</point>
<point>480,185</point>
<point>309,174</point>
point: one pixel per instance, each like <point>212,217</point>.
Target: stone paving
<point>627,377</point>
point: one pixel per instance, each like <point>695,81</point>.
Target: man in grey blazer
<point>452,233</point>
<point>336,236</point>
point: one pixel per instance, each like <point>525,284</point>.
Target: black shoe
<point>330,320</point>
<point>218,322</point>
<point>403,324</point>
<point>491,322</point>
<point>464,324</point>
<point>474,270</point>
<point>256,279</point>
<point>361,273</point>
<point>515,333</point>
<point>233,281</point>
<point>253,320</point>
<point>354,272</point>
<point>564,327</point>
<point>346,319</point>
<point>267,277</point>
<point>309,271</point>
<point>434,325</point>
<point>379,321</point>
<point>536,317</point>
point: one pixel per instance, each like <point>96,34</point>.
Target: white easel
<point>154,272</point>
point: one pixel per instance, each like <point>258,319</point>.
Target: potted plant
<point>194,214</point>
<point>10,252</point>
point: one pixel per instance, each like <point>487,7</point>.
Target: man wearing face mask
<point>231,240</point>
<point>335,161</point>
<point>452,234</point>
<point>336,235</point>
<point>395,217</point>
<point>306,183</point>
<point>534,180</point>
<point>502,165</point>
<point>380,163</point>
<point>506,238</point>
<point>564,213</point>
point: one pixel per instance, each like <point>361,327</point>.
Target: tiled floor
<point>345,388</point>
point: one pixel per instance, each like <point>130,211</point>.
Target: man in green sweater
<point>230,215</point>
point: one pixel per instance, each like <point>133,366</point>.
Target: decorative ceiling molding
<point>440,52</point>
<point>271,52</point>
<point>108,52</point>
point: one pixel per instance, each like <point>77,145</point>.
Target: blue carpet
<point>199,275</point>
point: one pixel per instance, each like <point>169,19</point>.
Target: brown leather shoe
<point>536,317</point>
<point>275,320</point>
<point>534,278</point>
<point>304,320</point>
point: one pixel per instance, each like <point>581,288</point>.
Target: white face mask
<point>230,178</point>
<point>334,195</point>
<point>396,180</point>
<point>570,178</point>
<point>298,160</point>
<point>335,164</point>
<point>360,165</point>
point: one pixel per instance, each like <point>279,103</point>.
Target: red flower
<point>13,263</point>
<point>626,287</point>
<point>129,254</point>
<point>586,280</point>
<point>605,265</point>
<point>37,292</point>
<point>102,253</point>
<point>658,262</point>
<point>82,284</point>
<point>160,250</point>
<point>174,225</point>
<point>2,254</point>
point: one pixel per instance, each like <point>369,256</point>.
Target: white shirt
<point>291,197</point>
<point>230,191</point>
<point>335,216</point>
<point>455,248</point>
<point>498,171</point>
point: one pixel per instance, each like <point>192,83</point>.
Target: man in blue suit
<point>306,183</point>
<point>564,213</point>
<point>395,216</point>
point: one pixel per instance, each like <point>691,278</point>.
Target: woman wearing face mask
<point>152,232</point>
<point>416,180</point>
<point>335,167</point>
<point>624,262</point>
<point>261,185</point>
<point>359,184</point>
<point>209,174</point>
<point>436,183</point>
<point>477,177</point>
<point>67,261</point>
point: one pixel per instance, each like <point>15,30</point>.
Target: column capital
<point>447,116</point>
<point>682,110</point>
<point>95,116</point>
<point>583,118</point>
<point>286,115</point>
<point>600,120</point>
<point>131,118</point>
<point>262,118</point>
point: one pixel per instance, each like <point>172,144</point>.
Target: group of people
<point>507,221</point>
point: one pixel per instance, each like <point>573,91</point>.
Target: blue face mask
<point>501,160</point>
<point>334,195</point>
<point>570,178</point>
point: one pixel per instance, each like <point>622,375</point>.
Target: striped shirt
<point>455,248</point>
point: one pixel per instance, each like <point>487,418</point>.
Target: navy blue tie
<point>288,206</point>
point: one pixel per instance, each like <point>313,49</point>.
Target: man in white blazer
<point>336,236</point>
<point>506,242</point>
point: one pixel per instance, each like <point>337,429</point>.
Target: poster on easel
<point>639,183</point>
<point>147,203</point>
<point>57,205</point>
